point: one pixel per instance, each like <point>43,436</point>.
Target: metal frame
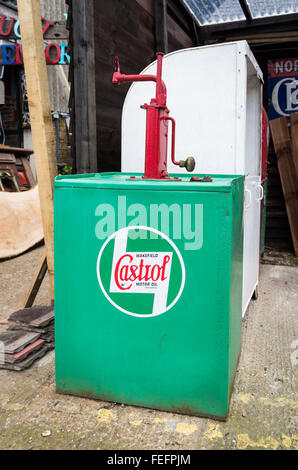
<point>219,31</point>
<point>246,10</point>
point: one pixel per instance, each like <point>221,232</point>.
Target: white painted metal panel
<point>210,99</point>
<point>251,250</point>
<point>215,96</point>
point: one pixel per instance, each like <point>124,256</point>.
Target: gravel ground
<point>263,412</point>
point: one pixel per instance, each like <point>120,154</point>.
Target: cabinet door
<point>251,252</point>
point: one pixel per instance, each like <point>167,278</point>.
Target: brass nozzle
<point>189,164</point>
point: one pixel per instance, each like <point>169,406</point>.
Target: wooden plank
<point>84,106</point>
<point>177,36</point>
<point>15,150</point>
<point>294,137</point>
<point>41,119</point>
<point>282,145</point>
<point>136,31</point>
<point>56,31</point>
<point>148,5</point>
<point>36,281</point>
<point>127,47</point>
<point>126,15</point>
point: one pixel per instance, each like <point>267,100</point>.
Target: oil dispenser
<point>148,279</point>
<point>156,125</point>
<point>219,125</point>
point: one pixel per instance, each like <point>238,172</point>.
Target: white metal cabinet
<point>215,96</point>
<point>251,249</point>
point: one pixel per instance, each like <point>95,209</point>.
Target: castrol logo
<point>141,275</point>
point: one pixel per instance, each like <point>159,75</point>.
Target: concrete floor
<point>263,411</point>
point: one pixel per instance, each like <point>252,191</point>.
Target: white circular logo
<point>141,271</point>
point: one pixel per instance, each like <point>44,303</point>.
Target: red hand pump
<point>156,124</point>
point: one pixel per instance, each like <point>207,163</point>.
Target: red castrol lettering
<point>126,271</point>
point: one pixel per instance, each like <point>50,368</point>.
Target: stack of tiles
<point>29,337</point>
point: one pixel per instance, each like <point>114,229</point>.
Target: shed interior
<point>135,30</point>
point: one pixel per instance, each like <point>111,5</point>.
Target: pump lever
<point>189,164</point>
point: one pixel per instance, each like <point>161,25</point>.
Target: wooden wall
<point>125,28</point>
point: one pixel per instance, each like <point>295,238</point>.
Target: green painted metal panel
<point>173,349</point>
<point>121,180</point>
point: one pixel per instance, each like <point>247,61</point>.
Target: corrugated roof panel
<point>262,8</point>
<point>215,11</point>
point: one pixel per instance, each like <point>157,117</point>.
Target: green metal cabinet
<point>149,316</point>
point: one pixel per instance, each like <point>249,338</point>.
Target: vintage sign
<point>282,87</point>
<point>11,27</point>
<point>11,54</point>
<point>141,276</point>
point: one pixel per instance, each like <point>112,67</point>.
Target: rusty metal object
<point>206,179</point>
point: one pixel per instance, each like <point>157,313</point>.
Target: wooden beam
<point>282,145</point>
<point>41,119</point>
<point>36,281</point>
<point>294,137</point>
<point>161,26</point>
<point>84,104</point>
<point>147,5</point>
<point>57,31</point>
